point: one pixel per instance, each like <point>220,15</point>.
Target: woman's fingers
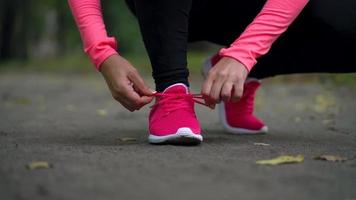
<point>206,88</point>
<point>237,91</point>
<point>133,100</point>
<point>216,90</point>
<point>125,83</point>
<point>226,91</point>
<point>225,81</point>
<point>139,85</point>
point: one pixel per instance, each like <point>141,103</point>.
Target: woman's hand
<point>225,81</point>
<point>125,83</point>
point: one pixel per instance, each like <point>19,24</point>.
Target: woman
<point>316,42</point>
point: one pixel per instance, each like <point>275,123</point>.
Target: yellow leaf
<point>300,106</point>
<point>127,139</point>
<point>42,107</point>
<point>323,102</point>
<point>261,144</point>
<point>102,112</point>
<point>38,165</point>
<point>282,160</point>
<point>297,119</point>
<point>22,101</point>
<point>331,158</point>
<point>327,121</point>
<point>70,107</point>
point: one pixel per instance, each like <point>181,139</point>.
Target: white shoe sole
<point>183,136</point>
<point>234,130</point>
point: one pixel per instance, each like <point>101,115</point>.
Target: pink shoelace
<point>176,101</point>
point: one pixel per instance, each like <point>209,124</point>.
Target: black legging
<point>322,38</point>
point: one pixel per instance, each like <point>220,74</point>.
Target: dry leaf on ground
<point>297,119</point>
<point>328,121</point>
<point>282,160</point>
<point>70,107</point>
<point>261,144</point>
<point>38,165</point>
<point>331,158</point>
<point>102,112</point>
<point>22,101</point>
<point>323,102</point>
<point>127,139</point>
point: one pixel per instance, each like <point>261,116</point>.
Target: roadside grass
<point>80,63</point>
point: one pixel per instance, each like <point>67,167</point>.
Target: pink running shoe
<point>172,118</point>
<point>237,117</point>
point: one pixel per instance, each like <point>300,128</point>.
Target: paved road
<point>72,122</point>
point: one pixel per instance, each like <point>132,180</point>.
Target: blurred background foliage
<point>41,35</point>
<point>45,28</point>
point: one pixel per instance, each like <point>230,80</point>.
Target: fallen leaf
<point>300,106</point>
<point>261,144</point>
<point>331,128</point>
<point>42,107</point>
<point>331,158</point>
<point>327,121</point>
<point>70,107</point>
<point>102,112</point>
<point>323,102</point>
<point>22,101</point>
<point>297,119</point>
<point>38,165</point>
<point>282,160</point>
<point>127,139</point>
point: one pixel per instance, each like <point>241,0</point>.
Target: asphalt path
<point>98,150</point>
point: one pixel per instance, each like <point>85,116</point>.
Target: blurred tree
<point>43,28</point>
<point>121,23</point>
<point>14,28</point>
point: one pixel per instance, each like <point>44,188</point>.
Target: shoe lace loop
<point>172,102</point>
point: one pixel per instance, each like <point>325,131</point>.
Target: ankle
<point>161,87</point>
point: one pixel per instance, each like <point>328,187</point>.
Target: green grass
<point>80,63</point>
<point>73,63</point>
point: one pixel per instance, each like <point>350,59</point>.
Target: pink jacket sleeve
<point>89,19</point>
<point>258,37</point>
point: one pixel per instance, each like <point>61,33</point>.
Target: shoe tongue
<point>178,88</point>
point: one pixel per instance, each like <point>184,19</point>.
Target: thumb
<point>139,85</point>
